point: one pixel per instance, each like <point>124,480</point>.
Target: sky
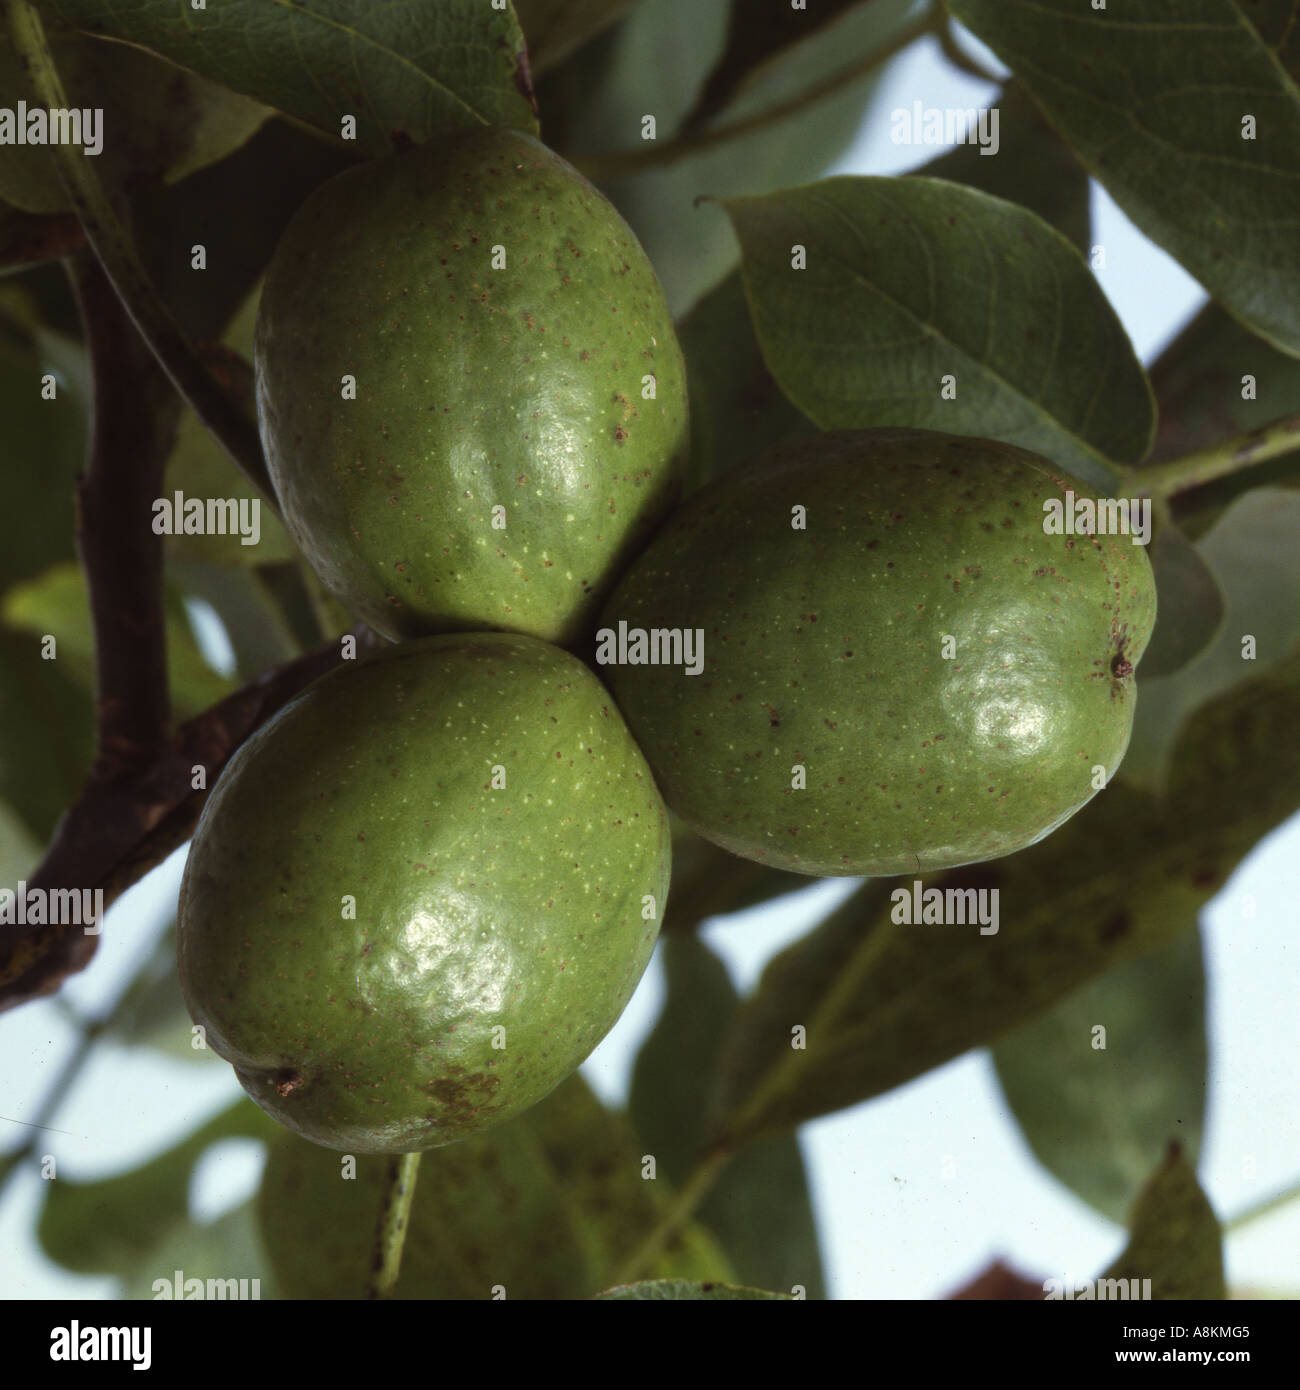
<point>916,1191</point>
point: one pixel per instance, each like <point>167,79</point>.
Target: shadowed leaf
<point>554,28</point>
<point>1155,100</point>
<point>759,1208</point>
<point>1032,166</point>
<point>1253,552</point>
<point>737,409</point>
<point>926,304</point>
<point>157,120</point>
<point>758,32</point>
<point>402,72</point>
<point>654,63</point>
<point>1190,607</point>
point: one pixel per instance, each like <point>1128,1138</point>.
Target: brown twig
<point>118,829</point>
<point>133,427</point>
<point>29,239</point>
<point>133,424</point>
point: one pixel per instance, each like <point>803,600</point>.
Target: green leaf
<point>46,734</point>
<point>1174,1237</point>
<point>1152,97</point>
<point>108,1226</point>
<point>220,1253</point>
<point>1099,1115</point>
<point>1253,552</point>
<point>1190,610</point>
<point>757,33</point>
<point>654,63</point>
<point>759,1209</point>
<point>57,604</point>
<point>1032,167</point>
<point>676,1290</point>
<point>544,1205</point>
<point>555,28</point>
<point>1199,382</point>
<point>882,1001</point>
<point>42,446</point>
<point>403,72</point>
<point>912,280</point>
<point>20,851</point>
<point>158,120</point>
<point>200,467</point>
<point>737,409</point>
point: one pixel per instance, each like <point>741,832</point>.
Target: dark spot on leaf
<point>1119,925</point>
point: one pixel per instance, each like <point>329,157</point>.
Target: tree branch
<point>118,829</point>
<point>133,427</point>
<point>1233,454</point>
<point>133,424</point>
<point>28,239</point>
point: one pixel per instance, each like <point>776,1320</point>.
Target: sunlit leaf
<point>1174,1237</point>
<point>1099,1108</point>
<point>56,604</point>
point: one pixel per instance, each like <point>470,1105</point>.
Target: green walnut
<point>901,670</point>
<point>420,896</point>
<point>470,393</point>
